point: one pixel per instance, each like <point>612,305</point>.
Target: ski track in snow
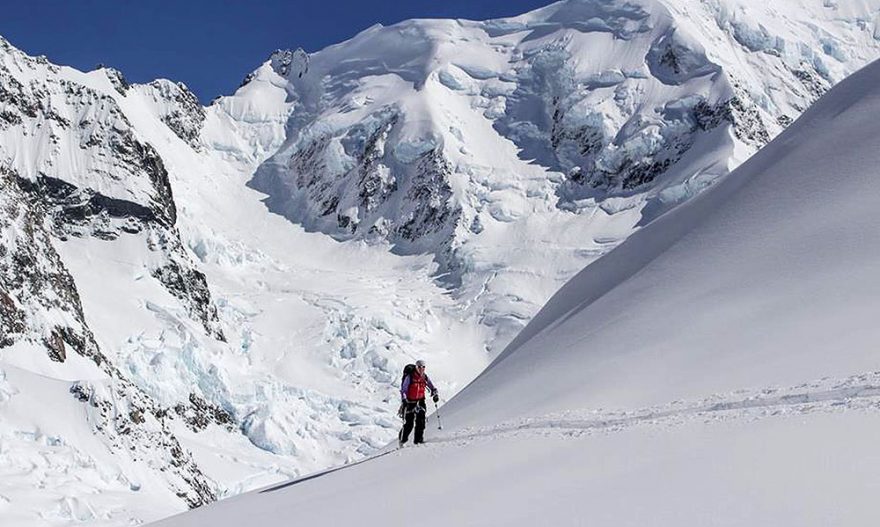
<point>855,393</point>
<point>858,392</point>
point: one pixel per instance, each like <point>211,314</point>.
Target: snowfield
<point>197,302</point>
<point>718,368</point>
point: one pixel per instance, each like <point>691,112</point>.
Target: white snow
<point>54,471</point>
<point>768,277</point>
<point>717,368</point>
<point>318,329</point>
<point>484,94</point>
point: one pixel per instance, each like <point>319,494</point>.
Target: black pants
<point>414,413</point>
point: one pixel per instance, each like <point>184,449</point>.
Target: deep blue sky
<point>209,45</point>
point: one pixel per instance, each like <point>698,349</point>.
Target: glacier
<point>718,368</point>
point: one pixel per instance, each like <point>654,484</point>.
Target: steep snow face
<point>767,279</point>
<point>531,145</point>
<point>39,299</point>
<point>67,138</point>
<point>75,172</point>
<point>706,371</point>
<point>177,107</point>
<point>249,126</point>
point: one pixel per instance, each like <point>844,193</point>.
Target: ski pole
<point>437,413</point>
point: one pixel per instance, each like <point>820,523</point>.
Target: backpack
<point>407,371</point>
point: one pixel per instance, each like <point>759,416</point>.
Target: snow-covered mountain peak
<point>290,63</point>
<point>448,136</point>
<point>89,223</point>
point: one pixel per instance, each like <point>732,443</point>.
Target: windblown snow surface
<point>720,367</point>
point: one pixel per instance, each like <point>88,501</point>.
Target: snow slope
<point>718,368</point>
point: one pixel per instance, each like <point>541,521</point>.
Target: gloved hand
<point>400,411</point>
<point>435,396</point>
